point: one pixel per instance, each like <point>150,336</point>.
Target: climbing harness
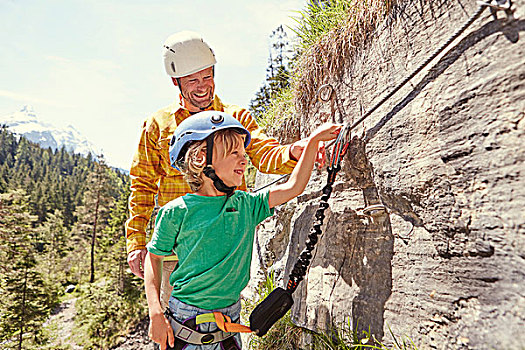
<point>280,300</point>
<point>187,332</point>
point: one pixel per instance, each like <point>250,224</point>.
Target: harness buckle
<point>207,339</point>
<point>187,332</point>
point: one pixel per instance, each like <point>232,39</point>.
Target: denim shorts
<point>183,311</point>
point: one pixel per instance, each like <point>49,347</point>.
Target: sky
<point>97,65</point>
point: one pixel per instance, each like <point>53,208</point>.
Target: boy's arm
<point>301,173</point>
<point>159,326</point>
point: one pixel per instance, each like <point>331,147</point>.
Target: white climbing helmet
<point>186,53</point>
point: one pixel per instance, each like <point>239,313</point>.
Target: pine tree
<point>54,180</point>
<point>26,300</point>
<point>8,146</point>
<point>277,73</point>
<point>4,177</point>
<point>117,302</point>
<point>54,239</point>
<point>75,208</point>
<point>93,214</point>
<point>113,242</point>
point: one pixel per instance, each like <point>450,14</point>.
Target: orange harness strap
<point>225,324</point>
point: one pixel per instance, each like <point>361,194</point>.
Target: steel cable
<point>439,50</point>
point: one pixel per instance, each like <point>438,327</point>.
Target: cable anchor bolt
<point>373,212</point>
<point>499,5</point>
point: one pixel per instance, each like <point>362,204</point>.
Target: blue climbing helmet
<point>202,126</point>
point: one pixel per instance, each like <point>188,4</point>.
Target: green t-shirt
<point>213,238</point>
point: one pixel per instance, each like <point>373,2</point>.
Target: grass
<point>329,35</point>
<point>285,335</point>
<point>318,19</point>
<point>343,337</point>
<point>279,117</point>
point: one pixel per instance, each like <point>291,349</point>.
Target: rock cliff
<point>445,265</point>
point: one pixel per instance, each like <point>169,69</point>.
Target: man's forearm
<point>141,204</point>
<point>274,159</point>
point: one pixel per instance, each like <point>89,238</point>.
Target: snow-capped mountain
<point>25,123</point>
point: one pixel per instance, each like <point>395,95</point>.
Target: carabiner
<point>340,146</point>
<point>326,93</point>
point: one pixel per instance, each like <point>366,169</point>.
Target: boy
<point>212,230</point>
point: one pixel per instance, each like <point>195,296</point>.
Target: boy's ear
<point>202,156</point>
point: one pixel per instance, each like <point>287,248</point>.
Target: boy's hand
<point>298,147</point>
<point>326,132</point>
<point>160,331</point>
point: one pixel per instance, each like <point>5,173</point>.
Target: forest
<point>62,226</point>
<point>62,221</point>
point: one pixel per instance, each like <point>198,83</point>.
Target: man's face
<point>198,90</point>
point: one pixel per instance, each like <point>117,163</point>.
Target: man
<point>190,63</point>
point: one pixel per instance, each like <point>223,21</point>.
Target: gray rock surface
<point>138,339</point>
<point>445,266</point>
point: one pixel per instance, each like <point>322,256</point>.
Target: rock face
<point>445,265</point>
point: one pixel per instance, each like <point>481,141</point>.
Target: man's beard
<point>201,104</point>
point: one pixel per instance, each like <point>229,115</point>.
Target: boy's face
<point>230,169</point>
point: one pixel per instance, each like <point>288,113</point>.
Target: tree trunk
<point>21,336</point>
<point>93,239</point>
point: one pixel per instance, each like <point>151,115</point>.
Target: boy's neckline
<point>208,195</point>
<point>222,195</point>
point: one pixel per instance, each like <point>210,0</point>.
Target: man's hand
<point>297,149</point>
<point>136,262</point>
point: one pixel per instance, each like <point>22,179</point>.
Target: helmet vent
<point>173,67</point>
<point>169,48</point>
<point>217,118</point>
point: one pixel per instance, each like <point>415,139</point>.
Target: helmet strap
<point>180,87</point>
<point>210,172</point>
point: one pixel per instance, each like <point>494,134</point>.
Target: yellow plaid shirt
<point>152,174</point>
